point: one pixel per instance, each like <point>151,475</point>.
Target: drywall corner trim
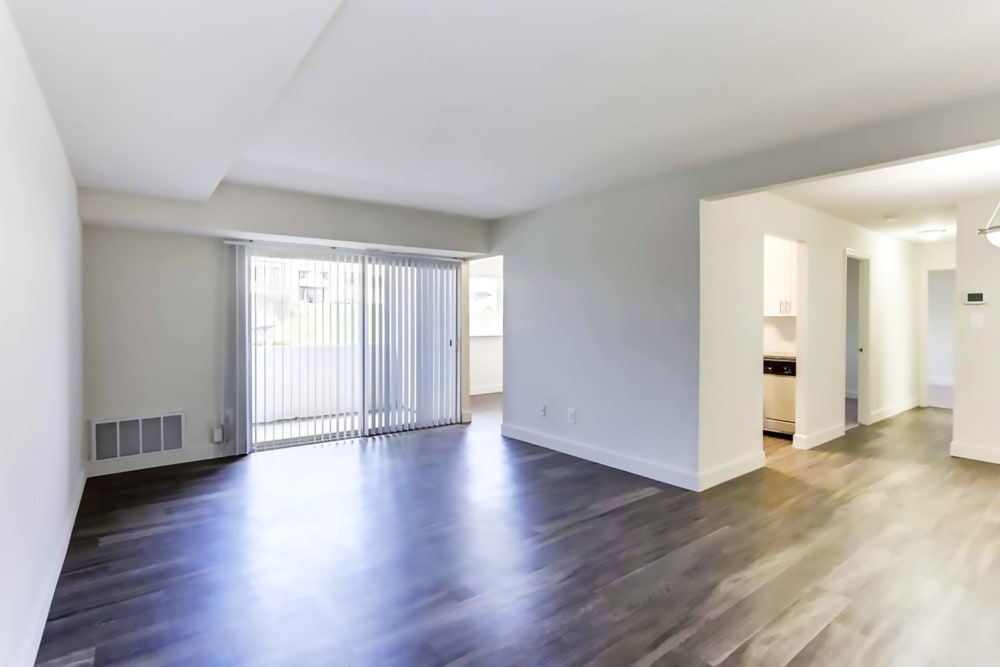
<point>810,440</point>
<point>486,389</point>
<point>128,464</point>
<point>39,614</point>
<point>731,470</point>
<point>636,466</point>
<point>894,409</point>
<point>964,450</point>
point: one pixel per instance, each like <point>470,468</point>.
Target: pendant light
<point>992,231</point>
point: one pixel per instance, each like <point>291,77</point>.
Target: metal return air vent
<point>118,438</point>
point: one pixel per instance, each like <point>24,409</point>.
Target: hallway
<point>457,546</point>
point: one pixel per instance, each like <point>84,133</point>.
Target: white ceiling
<point>921,195</point>
<point>477,107</point>
<point>159,96</point>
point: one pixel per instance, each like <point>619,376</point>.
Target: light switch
<point>977,320</point>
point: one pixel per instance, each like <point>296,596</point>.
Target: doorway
<point>781,308</point>
<point>345,345</point>
<point>855,368</point>
<point>940,336</point>
<point>486,340</point>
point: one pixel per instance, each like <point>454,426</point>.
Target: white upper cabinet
<point>780,277</point>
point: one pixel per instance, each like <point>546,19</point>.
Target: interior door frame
<point>864,331</point>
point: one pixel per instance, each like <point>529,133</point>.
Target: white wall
<point>731,388</point>
<point>977,330</point>
<point>486,352</point>
<point>853,325</point>
<point>486,365</point>
<point>250,212</point>
<point>41,463</point>
<point>154,326</point>
<point>602,316</point>
<point>940,358</point>
<point>647,233</point>
<point>779,335</point>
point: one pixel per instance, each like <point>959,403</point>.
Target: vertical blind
<point>344,345</point>
<point>411,361</point>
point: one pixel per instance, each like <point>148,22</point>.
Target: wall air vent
<point>135,436</point>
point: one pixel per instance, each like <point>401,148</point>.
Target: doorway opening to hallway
<point>940,337</point>
<point>856,317</point>
<point>486,296</point>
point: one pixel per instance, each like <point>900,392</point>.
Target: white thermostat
<point>974,299</point>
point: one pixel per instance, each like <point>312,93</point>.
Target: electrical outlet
<point>542,412</point>
<point>571,415</point>
<point>217,435</point>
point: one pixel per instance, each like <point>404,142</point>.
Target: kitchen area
<point>779,358</point>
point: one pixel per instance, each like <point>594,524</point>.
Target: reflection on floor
<point>850,412</point>
<point>457,546</point>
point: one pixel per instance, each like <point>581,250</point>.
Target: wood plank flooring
<point>458,547</point>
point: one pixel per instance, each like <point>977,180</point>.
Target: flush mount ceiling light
<point>930,234</point>
<point>991,231</point>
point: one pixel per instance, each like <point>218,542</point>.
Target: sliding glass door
<point>411,360</point>
<point>343,345</point>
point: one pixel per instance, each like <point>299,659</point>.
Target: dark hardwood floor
<point>457,547</point>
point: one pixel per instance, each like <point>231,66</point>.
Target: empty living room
<point>456,333</point>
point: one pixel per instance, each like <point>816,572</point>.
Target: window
<point>330,364</point>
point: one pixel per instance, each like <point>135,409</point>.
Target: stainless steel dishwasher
<point>779,394</point>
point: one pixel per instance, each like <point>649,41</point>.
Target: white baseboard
<point>141,462</point>
<point>975,452</point>
<point>727,471</point>
<point>810,440</point>
<point>893,410</point>
<point>466,416</point>
<point>852,394</point>
<point>637,466</point>
<point>39,613</point>
<point>486,389</point>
